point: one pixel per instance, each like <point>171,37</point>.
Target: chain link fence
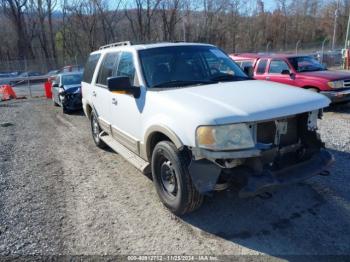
<point>27,77</point>
<point>321,50</point>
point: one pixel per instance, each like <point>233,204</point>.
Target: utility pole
<point>335,25</point>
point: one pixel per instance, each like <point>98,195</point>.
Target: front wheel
<point>96,131</point>
<point>65,110</point>
<point>172,179</point>
<point>54,101</point>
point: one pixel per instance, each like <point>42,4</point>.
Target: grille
<point>266,132</point>
<point>347,83</point>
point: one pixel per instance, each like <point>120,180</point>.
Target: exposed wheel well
<point>88,110</point>
<point>154,139</point>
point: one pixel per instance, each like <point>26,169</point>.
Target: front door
<point>125,108</point>
<point>277,72</point>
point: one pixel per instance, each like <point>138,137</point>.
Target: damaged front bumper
<point>205,174</point>
<point>72,101</point>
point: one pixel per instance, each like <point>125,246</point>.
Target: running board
<point>130,156</point>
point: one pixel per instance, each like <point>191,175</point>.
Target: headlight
<point>336,84</point>
<point>225,137</point>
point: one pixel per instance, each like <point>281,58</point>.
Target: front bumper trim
<point>337,95</point>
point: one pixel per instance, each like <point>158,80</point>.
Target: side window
<point>261,66</point>
<point>277,66</point>
<point>247,63</point>
<point>126,66</point>
<point>90,66</point>
<point>107,68</point>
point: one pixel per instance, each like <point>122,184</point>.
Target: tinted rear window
<point>90,66</point>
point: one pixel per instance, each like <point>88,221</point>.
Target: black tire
<point>95,131</point>
<point>172,179</point>
<point>65,110</point>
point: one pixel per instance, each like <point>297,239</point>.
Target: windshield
<point>305,64</point>
<point>188,65</point>
<point>71,79</point>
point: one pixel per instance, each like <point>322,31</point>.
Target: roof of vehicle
<point>264,55</point>
<point>126,46</point>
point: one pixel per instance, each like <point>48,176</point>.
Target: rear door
<point>89,72</point>
<point>275,69</point>
<point>101,96</point>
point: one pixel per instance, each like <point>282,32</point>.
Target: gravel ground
<point>59,194</point>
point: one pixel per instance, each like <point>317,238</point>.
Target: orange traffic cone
<point>7,92</point>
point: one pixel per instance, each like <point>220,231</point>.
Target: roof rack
<point>116,44</point>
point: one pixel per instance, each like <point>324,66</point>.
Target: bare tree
<point>140,19</point>
<point>15,11</point>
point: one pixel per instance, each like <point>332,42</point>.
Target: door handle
<point>114,101</point>
<point>267,78</point>
<point>93,93</point>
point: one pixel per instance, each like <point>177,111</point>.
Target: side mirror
<point>249,70</point>
<point>285,72</point>
<point>54,84</point>
<point>122,84</point>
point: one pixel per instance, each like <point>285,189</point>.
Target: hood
<point>72,89</point>
<point>242,101</point>
<point>327,74</point>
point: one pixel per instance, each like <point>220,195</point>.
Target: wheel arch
<point>312,87</point>
<point>159,133</point>
<point>88,110</point>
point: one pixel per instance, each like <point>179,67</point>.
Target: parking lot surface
<point>60,194</point>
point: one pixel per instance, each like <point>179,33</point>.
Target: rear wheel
<point>96,131</point>
<point>172,179</point>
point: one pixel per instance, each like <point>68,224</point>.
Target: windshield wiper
<point>229,77</point>
<point>180,83</point>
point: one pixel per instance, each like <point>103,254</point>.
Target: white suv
<point>188,114</point>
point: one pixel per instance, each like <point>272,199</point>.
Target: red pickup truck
<point>297,70</point>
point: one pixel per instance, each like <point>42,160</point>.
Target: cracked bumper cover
<point>205,174</point>
<point>72,101</point>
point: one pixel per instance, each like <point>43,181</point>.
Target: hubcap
<point>168,178</point>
